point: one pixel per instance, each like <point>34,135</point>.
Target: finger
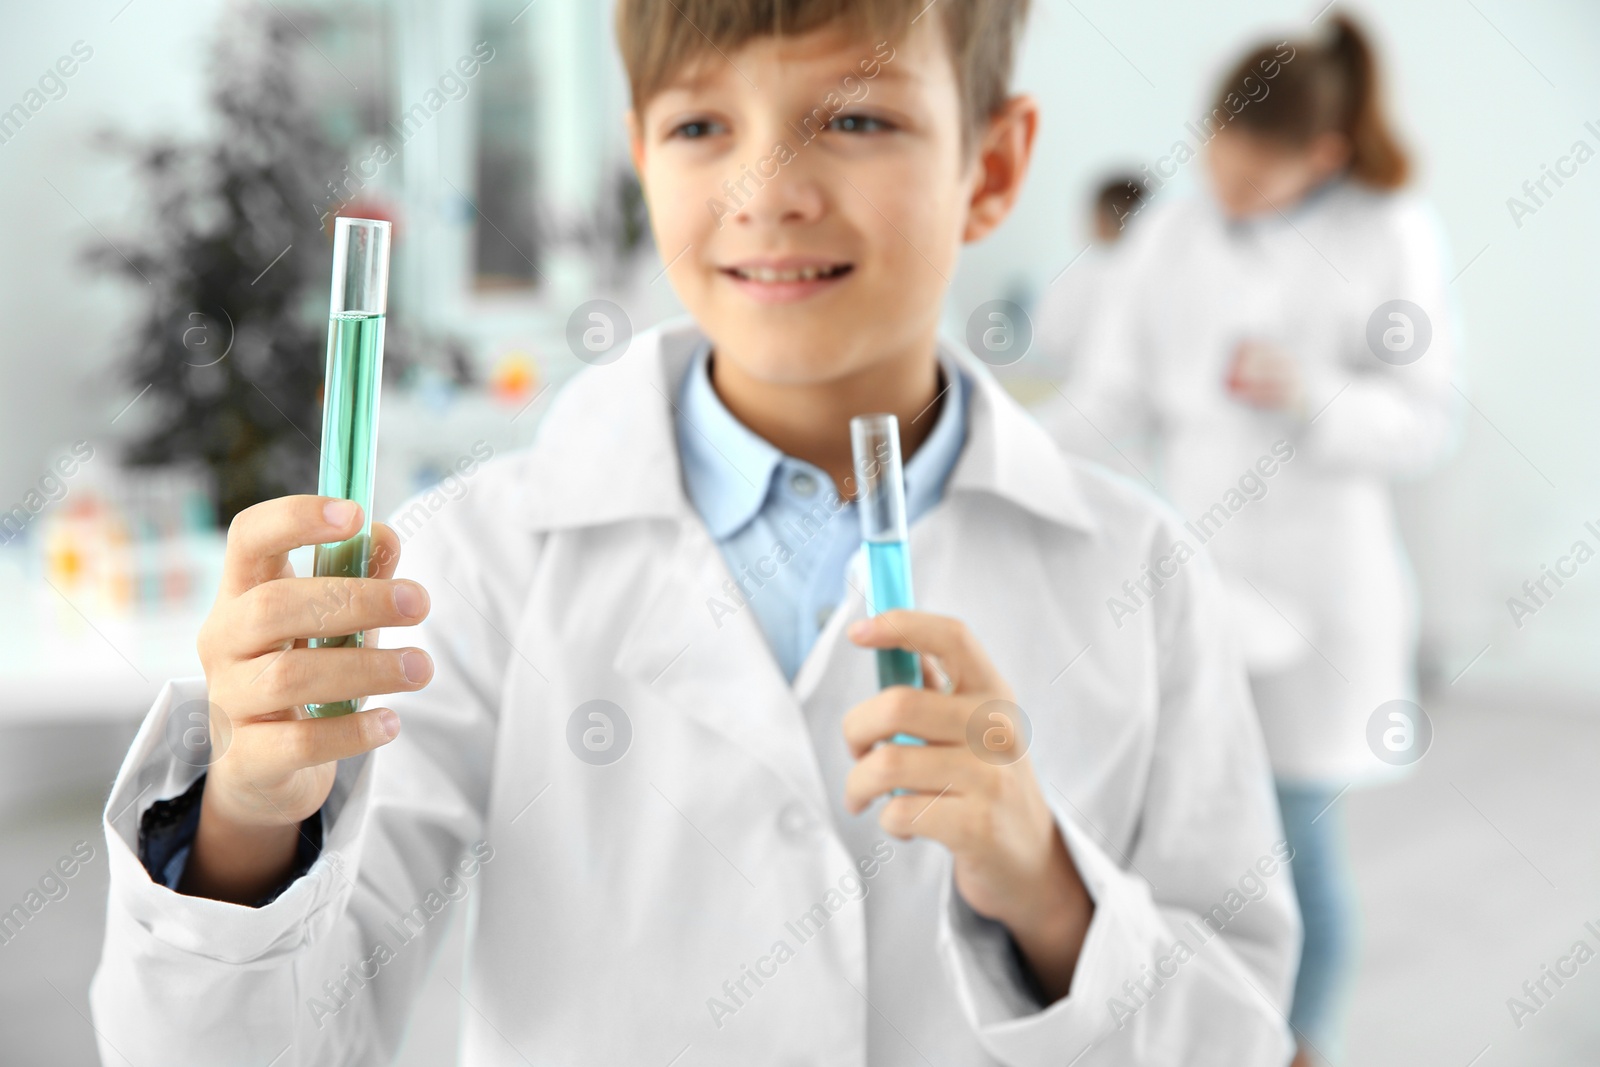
<point>298,676</point>
<point>262,535</point>
<point>286,609</point>
<point>295,744</point>
<point>948,818</point>
<point>385,551</point>
<point>915,768</point>
<point>932,716</point>
<point>385,560</point>
<point>961,658</point>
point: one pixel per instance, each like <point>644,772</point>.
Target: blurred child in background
<point>1282,344</point>
<point>1062,313</point>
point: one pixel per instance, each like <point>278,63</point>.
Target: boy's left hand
<point>1011,864</point>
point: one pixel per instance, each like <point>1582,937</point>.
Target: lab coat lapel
<point>851,607</point>
<point>1009,456</point>
<point>716,668</point>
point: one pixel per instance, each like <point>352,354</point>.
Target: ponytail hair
<point>1327,86</point>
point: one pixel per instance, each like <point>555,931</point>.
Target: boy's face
<point>810,195</point>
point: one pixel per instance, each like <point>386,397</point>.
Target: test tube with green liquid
<point>350,404</point>
<point>881,505</point>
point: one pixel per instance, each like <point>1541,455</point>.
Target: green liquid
<point>349,454</point>
<point>890,564</point>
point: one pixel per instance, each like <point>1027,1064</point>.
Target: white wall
<point>58,322</point>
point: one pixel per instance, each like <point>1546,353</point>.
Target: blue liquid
<point>890,564</point>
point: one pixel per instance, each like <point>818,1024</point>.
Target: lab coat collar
<point>607,451</point>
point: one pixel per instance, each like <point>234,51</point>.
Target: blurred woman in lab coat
<point>1282,350</point>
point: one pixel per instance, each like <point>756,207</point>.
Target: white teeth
<point>770,276</point>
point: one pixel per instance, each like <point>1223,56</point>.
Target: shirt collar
<point>728,468</point>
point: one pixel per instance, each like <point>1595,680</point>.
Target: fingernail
<point>390,722</point>
<point>339,512</point>
<point>416,666</point>
<point>860,628</point>
<point>410,600</point>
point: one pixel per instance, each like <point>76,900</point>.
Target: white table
<point>66,658</point>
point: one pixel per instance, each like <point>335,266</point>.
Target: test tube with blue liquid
<point>360,300</point>
<point>881,504</point>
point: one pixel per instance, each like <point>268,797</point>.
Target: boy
<point>638,738</point>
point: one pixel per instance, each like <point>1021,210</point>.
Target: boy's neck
<point>812,422</point>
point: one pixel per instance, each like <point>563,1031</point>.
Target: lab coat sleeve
<point>1368,416</point>
<point>165,845</point>
<point>326,972</point>
<point>1191,952</point>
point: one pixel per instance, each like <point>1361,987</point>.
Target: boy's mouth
<point>783,281</point>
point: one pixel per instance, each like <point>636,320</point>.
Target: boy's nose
<point>782,192</point>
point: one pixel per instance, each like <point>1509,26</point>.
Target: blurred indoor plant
<point>236,261</point>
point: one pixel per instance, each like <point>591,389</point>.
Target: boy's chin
<point>793,361</point>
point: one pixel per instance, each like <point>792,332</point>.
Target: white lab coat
<point>1065,310</point>
<point>1316,566</point>
<point>618,899</point>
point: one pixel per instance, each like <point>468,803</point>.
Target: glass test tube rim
<point>880,495</point>
<point>347,232</point>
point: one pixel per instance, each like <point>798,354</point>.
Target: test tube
<point>881,503</point>
<point>350,404</point>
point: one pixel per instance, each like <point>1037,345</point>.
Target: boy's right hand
<point>273,765</point>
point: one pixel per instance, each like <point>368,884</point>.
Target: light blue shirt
<point>785,533</point>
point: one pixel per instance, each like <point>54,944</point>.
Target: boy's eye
<point>859,124</point>
<point>695,129</point>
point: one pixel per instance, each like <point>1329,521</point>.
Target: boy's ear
<point>630,119</point>
<point>1003,153</point>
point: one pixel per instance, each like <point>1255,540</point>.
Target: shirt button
<point>795,822</point>
<point>823,615</point>
<point>802,483</point>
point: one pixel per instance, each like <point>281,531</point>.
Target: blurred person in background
<point>1063,311</point>
<point>1256,341</point>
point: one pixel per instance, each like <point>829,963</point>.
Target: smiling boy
<point>699,854</point>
